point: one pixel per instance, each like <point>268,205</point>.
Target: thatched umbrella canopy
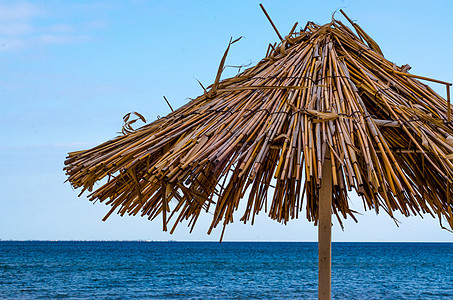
<point>324,94</point>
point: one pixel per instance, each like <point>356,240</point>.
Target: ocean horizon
<point>228,270</point>
<point>214,241</point>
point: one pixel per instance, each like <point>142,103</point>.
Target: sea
<point>227,270</point>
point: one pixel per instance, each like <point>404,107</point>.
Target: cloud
<point>60,39</point>
<point>15,29</point>
<point>19,11</point>
<point>11,44</point>
<point>24,25</point>
<point>61,28</point>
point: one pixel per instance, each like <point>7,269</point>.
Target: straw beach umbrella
<point>323,114</point>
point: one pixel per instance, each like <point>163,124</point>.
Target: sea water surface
<point>230,270</point>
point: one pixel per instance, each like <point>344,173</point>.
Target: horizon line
<point>207,241</point>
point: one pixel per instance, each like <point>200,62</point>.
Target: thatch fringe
<point>322,89</point>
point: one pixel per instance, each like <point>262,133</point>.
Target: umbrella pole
<point>325,231</point>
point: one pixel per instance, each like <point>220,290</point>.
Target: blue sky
<point>70,70</point>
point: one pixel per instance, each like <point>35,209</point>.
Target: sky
<point>70,70</point>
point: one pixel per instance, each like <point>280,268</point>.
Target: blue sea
<point>230,270</point>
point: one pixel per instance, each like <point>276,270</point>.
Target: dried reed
<point>322,89</point>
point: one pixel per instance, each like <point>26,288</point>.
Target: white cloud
<point>60,39</point>
<point>17,11</point>
<point>15,28</point>
<point>96,24</point>
<point>24,25</point>
<point>15,21</point>
<point>61,28</point>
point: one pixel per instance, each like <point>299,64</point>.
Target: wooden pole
<point>325,231</point>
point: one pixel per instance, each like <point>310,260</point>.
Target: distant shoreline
<point>225,242</point>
